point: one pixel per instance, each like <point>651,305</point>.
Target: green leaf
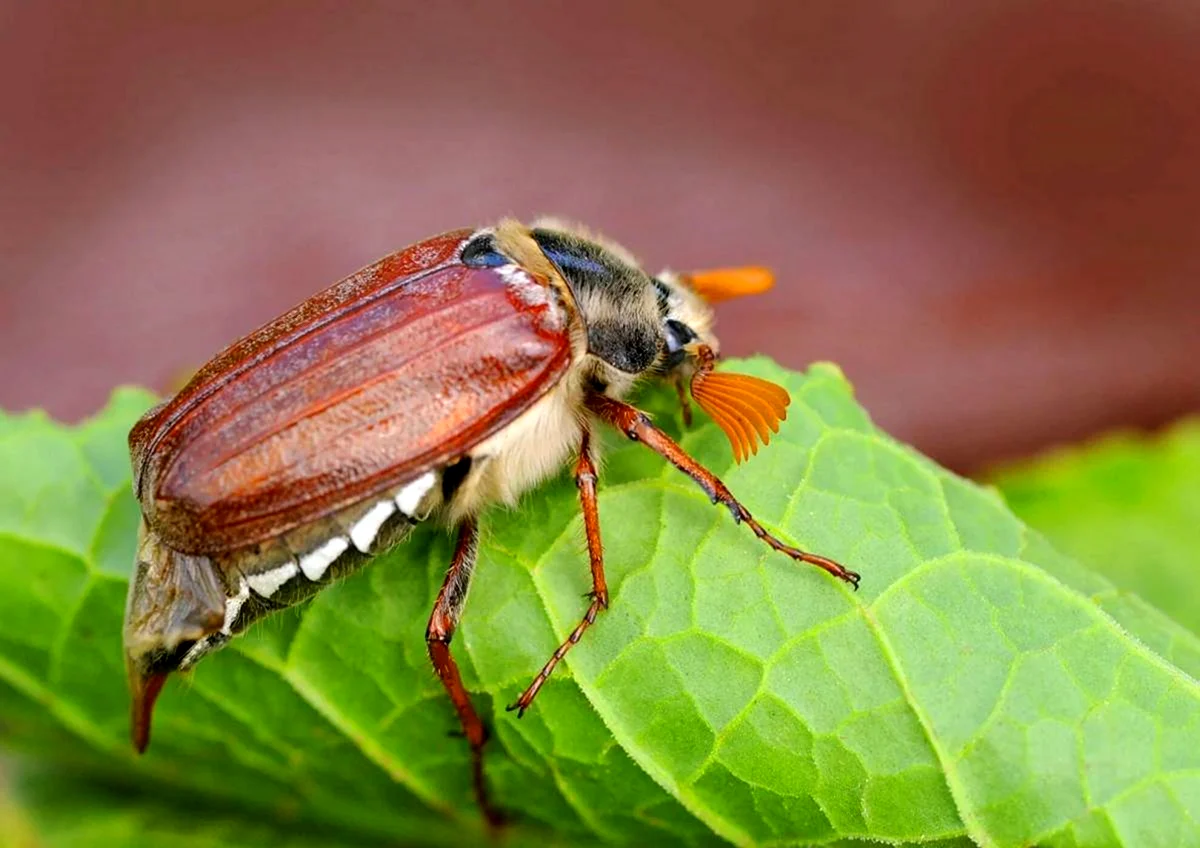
<point>1127,505</point>
<point>980,687</point>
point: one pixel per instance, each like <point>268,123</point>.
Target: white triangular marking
<point>268,582</point>
<point>234,605</point>
<point>362,534</point>
<point>409,498</point>
<point>316,562</point>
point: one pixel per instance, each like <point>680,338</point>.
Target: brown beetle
<point>454,374</point>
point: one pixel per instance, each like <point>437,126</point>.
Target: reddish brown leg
<point>636,425</point>
<point>442,622</point>
<point>684,403</point>
<point>585,479</point>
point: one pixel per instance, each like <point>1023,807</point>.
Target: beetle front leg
<point>585,479</point>
<point>636,425</point>
<point>447,610</point>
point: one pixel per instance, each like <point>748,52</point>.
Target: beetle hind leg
<point>585,479</point>
<point>443,621</point>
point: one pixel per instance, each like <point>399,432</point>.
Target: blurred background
<point>987,212</point>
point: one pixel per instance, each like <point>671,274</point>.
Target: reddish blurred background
<point>987,212</point>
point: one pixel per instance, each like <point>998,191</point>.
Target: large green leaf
<point>980,687</point>
<point>1127,505</point>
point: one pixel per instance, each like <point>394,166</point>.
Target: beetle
<point>452,375</point>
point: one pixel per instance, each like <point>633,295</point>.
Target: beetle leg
<point>684,402</point>
<point>446,611</point>
<point>636,425</point>
<point>585,479</point>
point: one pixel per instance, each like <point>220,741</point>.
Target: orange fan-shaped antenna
<point>747,408</point>
<point>726,283</point>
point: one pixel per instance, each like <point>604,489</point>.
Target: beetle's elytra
<point>454,374</point>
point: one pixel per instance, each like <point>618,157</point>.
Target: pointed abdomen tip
<point>145,692</point>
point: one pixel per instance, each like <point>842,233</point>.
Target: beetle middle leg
<point>442,622</point>
<point>585,479</point>
<point>636,425</point>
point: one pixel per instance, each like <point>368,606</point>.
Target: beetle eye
<point>482,253</point>
<point>677,335</point>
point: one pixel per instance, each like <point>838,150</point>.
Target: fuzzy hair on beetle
<point>447,377</point>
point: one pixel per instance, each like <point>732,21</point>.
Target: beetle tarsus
<point>824,563</point>
<point>599,602</point>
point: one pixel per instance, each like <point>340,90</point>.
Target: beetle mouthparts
<point>145,689</point>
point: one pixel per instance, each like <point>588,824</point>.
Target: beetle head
<point>747,408</point>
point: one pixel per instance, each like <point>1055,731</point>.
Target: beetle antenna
<point>747,408</point>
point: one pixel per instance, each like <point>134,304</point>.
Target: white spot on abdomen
<point>233,606</point>
<point>268,582</point>
<point>362,534</point>
<point>409,498</point>
<point>316,562</point>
